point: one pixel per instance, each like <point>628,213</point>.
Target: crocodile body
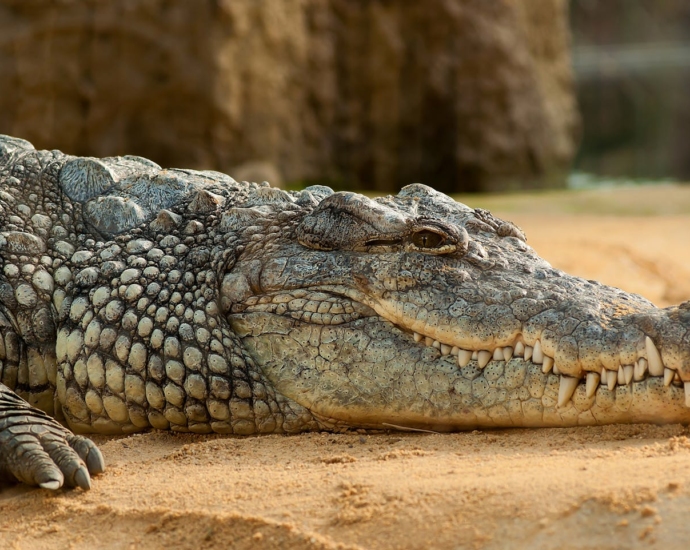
<point>133,297</point>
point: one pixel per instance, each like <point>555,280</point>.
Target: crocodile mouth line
<point>326,308</point>
<point>644,367</point>
<point>316,307</point>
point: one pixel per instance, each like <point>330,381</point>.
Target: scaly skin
<point>134,297</point>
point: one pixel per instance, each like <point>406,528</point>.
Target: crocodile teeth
<point>498,354</point>
<point>455,350</point>
<point>464,357</point>
<point>668,376</point>
<point>445,349</point>
<point>483,358</point>
<point>566,389</point>
<point>519,349</point>
<point>507,353</point>
<point>620,376</point>
<point>656,367</point>
<point>687,394</point>
<point>475,355</point>
<point>592,383</point>
<point>611,378</point>
<point>547,364</point>
<point>640,369</point>
<point>418,337</point>
<point>628,371</point>
<point>528,352</point>
<point>555,370</point>
<point>537,354</point>
<point>429,341</point>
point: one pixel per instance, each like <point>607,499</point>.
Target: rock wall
<point>463,95</point>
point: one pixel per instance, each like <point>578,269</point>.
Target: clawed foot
<point>37,450</point>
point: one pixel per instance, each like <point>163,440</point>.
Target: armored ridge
<point>133,297</point>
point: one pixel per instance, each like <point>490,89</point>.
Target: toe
<point>89,453</point>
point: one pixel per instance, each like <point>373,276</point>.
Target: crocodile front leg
<point>37,450</point>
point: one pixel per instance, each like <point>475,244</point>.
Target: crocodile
<point>134,297</point>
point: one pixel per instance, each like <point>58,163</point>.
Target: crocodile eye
<point>427,239</point>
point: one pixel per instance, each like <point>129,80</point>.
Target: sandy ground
<point>608,487</point>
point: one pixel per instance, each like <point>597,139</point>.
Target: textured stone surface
<point>462,95</point>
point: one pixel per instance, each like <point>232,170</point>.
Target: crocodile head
<point>417,311</point>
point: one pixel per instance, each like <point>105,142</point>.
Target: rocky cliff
<point>462,95</point>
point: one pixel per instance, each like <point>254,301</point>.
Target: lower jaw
<point>490,403</point>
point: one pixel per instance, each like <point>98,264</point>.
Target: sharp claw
<point>82,479</point>
<point>89,453</point>
<point>94,461</point>
<point>52,485</point>
<point>49,477</point>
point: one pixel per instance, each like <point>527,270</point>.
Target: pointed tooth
<point>445,349</point>
<point>475,355</point>
<point>547,365</point>
<point>668,377</point>
<point>592,383</point>
<point>464,357</point>
<point>640,369</point>
<point>429,341</point>
<point>519,349</point>
<point>498,354</point>
<point>507,353</point>
<point>556,370</point>
<point>537,354</point>
<point>656,367</point>
<point>483,358</point>
<point>418,337</point>
<point>566,389</point>
<point>611,378</point>
<point>687,394</point>
<point>454,350</point>
<point>436,344</point>
<point>676,380</point>
<point>620,376</point>
<point>528,352</point>
<point>628,371</point>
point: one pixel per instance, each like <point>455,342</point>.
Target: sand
<point>604,487</point>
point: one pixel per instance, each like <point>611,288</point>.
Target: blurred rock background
<point>464,95</point>
<point>632,65</point>
<point>469,95</point>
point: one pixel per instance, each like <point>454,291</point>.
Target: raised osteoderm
<point>133,297</point>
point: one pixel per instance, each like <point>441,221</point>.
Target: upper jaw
<point>337,305</point>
